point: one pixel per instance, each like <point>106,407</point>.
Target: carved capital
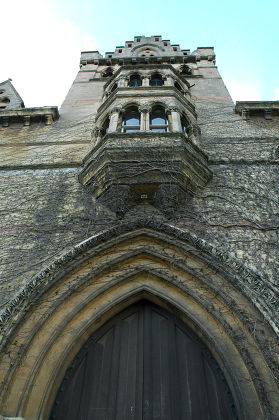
<point>145,108</point>
<point>116,110</point>
<point>174,109</point>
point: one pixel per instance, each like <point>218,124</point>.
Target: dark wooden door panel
<point>143,365</point>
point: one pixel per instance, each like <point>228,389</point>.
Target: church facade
<point>139,251</point>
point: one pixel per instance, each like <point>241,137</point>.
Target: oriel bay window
<point>131,120</point>
<point>158,120</point>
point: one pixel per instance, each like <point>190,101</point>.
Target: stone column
<point>144,118</point>
<point>175,120</point>
<point>121,82</point>
<point>114,118</point>
<point>96,135</point>
<point>268,114</point>
<point>48,119</point>
<point>26,120</point>
<point>169,81</point>
<point>165,80</point>
<point>126,82</point>
<point>145,81</point>
<point>5,121</point>
<point>245,114</point>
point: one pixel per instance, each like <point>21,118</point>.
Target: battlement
<point>148,48</point>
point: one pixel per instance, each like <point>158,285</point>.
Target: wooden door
<point>144,365</point>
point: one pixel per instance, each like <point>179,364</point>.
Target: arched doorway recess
<point>99,278</point>
<point>144,364</point>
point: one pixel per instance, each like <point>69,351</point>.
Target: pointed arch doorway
<point>144,364</point>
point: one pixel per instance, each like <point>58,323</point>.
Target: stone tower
<point>139,253</point>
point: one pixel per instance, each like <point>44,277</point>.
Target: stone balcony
<point>124,169</point>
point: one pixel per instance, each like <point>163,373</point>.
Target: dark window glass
<point>156,80</point>
<point>131,121</point>
<point>185,125</point>
<point>113,87</point>
<point>178,87</point>
<point>105,127</point>
<point>135,80</point>
<point>158,120</point>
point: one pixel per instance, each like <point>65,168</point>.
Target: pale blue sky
<point>41,53</point>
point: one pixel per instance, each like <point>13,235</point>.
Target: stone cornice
<point>26,115</point>
<point>256,106</point>
<point>110,61</point>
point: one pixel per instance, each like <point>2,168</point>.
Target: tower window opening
<point>158,120</point>
<point>156,80</point>
<point>178,87</point>
<point>135,80</point>
<point>113,87</point>
<point>105,127</point>
<point>131,120</point>
<point>185,125</point>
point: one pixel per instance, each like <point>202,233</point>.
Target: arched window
<point>156,80</point>
<point>178,87</point>
<point>185,125</point>
<point>105,127</point>
<point>135,80</point>
<point>158,120</point>
<point>131,120</point>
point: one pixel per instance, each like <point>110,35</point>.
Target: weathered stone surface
<point>228,221</point>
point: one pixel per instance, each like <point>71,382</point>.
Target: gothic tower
<point>139,251</point>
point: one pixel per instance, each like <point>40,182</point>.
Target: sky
<point>40,45</point>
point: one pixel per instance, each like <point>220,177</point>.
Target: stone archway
<point>99,279</point>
